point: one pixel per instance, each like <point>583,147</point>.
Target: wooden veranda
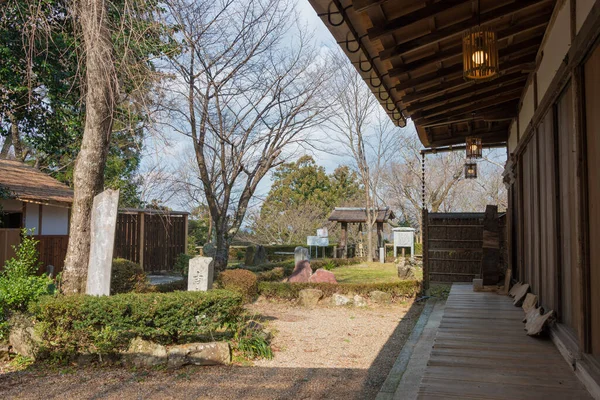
<point>481,351</point>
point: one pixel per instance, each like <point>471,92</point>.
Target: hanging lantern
<point>480,54</point>
<point>474,147</point>
<point>470,170</point>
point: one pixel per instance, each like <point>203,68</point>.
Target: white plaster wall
<point>512,137</point>
<point>583,8</point>
<point>32,215</point>
<point>11,205</point>
<point>556,47</point>
<point>527,109</point>
<point>55,220</point>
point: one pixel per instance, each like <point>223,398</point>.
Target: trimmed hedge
<point>240,281</point>
<point>180,285</point>
<point>105,325</point>
<point>290,291</point>
<point>288,266</point>
<point>126,277</point>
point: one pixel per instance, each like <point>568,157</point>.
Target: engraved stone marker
<point>102,228</point>
<point>300,254</point>
<point>201,272</point>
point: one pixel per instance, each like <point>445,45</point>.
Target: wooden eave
<point>415,49</point>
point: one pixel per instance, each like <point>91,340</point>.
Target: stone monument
<point>201,273</point>
<point>102,228</point>
<point>300,254</point>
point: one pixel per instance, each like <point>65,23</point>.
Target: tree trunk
<point>221,247</point>
<point>5,148</point>
<point>88,177</point>
<point>14,134</point>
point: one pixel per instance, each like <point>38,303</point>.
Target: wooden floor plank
<point>481,351</point>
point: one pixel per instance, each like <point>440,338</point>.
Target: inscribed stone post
<point>102,229</point>
<point>201,273</point>
<point>300,254</point>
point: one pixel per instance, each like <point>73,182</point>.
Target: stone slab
<point>102,229</point>
<point>201,274</point>
<point>301,254</point>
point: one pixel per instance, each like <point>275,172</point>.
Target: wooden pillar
<point>344,239</point>
<point>142,239</point>
<point>185,232</point>
<point>380,234</point>
<point>425,248</point>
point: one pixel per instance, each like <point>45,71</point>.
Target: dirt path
<point>324,353</point>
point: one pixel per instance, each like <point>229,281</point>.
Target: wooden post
<point>343,239</point>
<point>425,248</point>
<point>186,233</point>
<point>142,239</point>
<point>380,234</point>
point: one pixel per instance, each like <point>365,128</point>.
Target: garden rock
<point>310,297</point>
<point>377,296</point>
<point>301,273</point>
<point>340,300</point>
<point>143,353</point>
<point>405,270</point>
<point>360,301</point>
<point>22,337</point>
<point>260,255</point>
<point>249,260</point>
<point>214,353</point>
<point>322,276</point>
<point>260,330</point>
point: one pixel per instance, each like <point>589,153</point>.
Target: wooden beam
<point>458,28</point>
<point>502,105</point>
<point>457,69</point>
<point>362,5</point>
<point>469,90</point>
<point>456,51</point>
<point>423,13</point>
<point>459,103</point>
<point>494,136</point>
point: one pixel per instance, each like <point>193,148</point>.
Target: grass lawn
<point>369,272</point>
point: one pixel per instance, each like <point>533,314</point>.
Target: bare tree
<point>101,96</point>
<point>366,133</point>
<point>247,91</point>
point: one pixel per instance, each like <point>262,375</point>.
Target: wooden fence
<point>453,246</point>
<point>150,238</point>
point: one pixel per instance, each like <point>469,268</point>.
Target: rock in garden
<point>301,273</point>
<point>143,353</point>
<point>322,276</point>
<point>377,296</point>
<point>214,353</point>
<point>260,255</point>
<point>405,271</point>
<point>301,254</point>
<point>310,297</point>
<point>360,301</point>
<point>340,300</point>
<point>22,337</point>
<point>249,259</point>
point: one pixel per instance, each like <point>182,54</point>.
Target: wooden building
<point>543,105</point>
<point>33,200</point>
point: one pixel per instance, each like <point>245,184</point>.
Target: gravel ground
<point>323,353</point>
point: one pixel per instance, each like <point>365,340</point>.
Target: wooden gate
<point>8,239</point>
<point>452,246</point>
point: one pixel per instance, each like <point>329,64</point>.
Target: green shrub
<point>240,281</point>
<point>290,291</point>
<point>180,285</point>
<point>19,282</point>
<point>104,325</point>
<point>333,263</point>
<point>127,276</point>
<point>182,264</point>
<point>276,274</point>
